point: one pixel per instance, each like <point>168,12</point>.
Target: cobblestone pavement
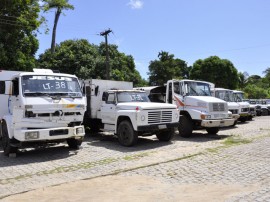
<point>238,155</point>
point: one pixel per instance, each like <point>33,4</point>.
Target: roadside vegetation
<point>21,20</point>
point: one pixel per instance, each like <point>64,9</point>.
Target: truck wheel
<point>126,134</point>
<point>185,127</point>
<point>243,119</point>
<point>213,131</point>
<point>6,142</point>
<point>74,143</point>
<point>165,135</point>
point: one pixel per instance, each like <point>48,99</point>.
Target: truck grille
<point>218,107</point>
<point>159,117</point>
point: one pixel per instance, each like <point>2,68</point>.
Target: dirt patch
<point>133,188</point>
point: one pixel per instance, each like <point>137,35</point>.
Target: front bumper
<point>217,123</point>
<point>155,127</point>
<point>244,114</point>
<point>235,116</point>
<point>49,134</point>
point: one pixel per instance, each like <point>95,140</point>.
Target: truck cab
<point>40,107</point>
<point>227,95</point>
<point>244,111</point>
<point>115,107</point>
<point>198,109</point>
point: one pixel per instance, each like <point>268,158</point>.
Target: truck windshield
<point>224,95</point>
<point>45,85</point>
<point>238,97</point>
<point>132,97</point>
<point>197,88</point>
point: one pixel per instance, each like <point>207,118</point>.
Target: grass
<point>235,140</point>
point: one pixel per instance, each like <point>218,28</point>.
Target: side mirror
<point>105,96</point>
<point>96,90</point>
<point>2,87</point>
<point>15,87</point>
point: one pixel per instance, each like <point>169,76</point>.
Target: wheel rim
<point>125,135</point>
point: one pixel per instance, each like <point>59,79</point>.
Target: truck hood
<point>208,99</point>
<point>243,104</point>
<point>145,105</point>
<point>233,105</point>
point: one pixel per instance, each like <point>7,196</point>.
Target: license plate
<point>221,123</point>
<point>162,126</point>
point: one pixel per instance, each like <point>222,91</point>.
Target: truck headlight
<point>204,116</point>
<point>31,135</point>
<point>142,117</point>
<point>176,115</point>
<point>79,130</point>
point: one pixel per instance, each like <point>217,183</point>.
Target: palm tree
<point>267,72</point>
<point>59,5</point>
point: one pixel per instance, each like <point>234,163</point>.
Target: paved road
<point>238,155</point>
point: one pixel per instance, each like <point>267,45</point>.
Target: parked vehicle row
<point>45,107</point>
<point>262,106</point>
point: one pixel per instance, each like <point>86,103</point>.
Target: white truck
<point>227,95</point>
<point>244,110</point>
<point>40,107</point>
<point>114,106</point>
<point>198,109</point>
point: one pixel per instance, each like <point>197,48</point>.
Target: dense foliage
<point>166,68</point>
<point>221,72</point>
<point>89,61</point>
<point>19,21</point>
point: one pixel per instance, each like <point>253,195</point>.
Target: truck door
<point>177,93</point>
<point>108,110</point>
<point>13,99</point>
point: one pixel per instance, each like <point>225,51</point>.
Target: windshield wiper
<point>37,94</point>
<point>204,92</point>
<point>194,91</point>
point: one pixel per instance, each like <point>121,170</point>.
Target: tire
<point>185,127</point>
<point>6,142</point>
<point>165,135</point>
<point>243,119</point>
<point>264,112</point>
<point>212,131</point>
<point>74,143</point>
<point>126,134</point>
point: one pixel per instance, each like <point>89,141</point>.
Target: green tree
<point>86,60</point>
<point>255,92</point>
<point>267,72</point>
<point>166,68</point>
<point>59,5</point>
<point>19,20</point>
<point>73,57</point>
<point>221,72</point>
<point>242,79</point>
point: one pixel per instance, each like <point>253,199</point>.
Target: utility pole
<point>105,34</point>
